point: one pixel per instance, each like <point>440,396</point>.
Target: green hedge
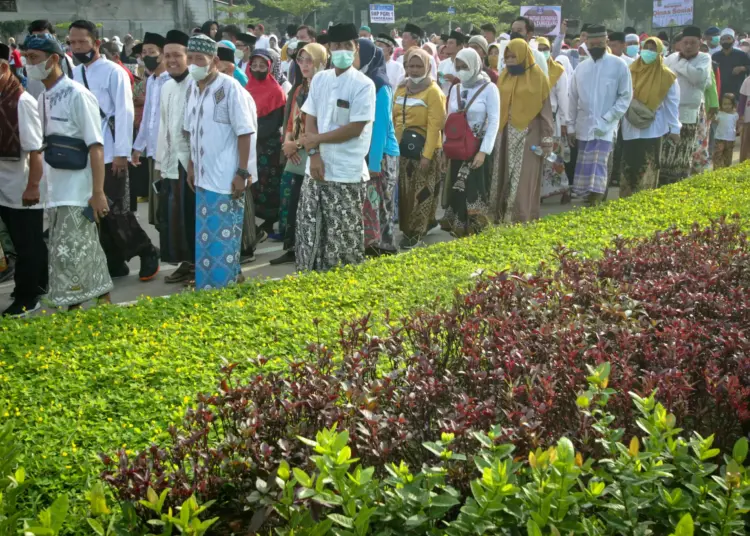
<point>93,381</point>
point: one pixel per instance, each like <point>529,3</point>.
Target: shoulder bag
<point>412,142</point>
<point>460,141</point>
<point>110,120</point>
<point>63,152</point>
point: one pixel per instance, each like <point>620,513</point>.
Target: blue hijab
<point>372,63</point>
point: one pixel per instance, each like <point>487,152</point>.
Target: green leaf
<point>344,521</point>
<point>739,452</point>
<point>532,529</point>
<point>58,512</point>
<point>302,477</point>
<point>583,401</point>
<point>685,527</point>
<point>96,526</point>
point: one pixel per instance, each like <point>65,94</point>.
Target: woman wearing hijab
<point>525,121</point>
<point>493,59</point>
<point>310,60</point>
<point>554,179</point>
<point>653,114</point>
<point>418,111</point>
<point>467,189</point>
<point>383,156</point>
<point>270,100</point>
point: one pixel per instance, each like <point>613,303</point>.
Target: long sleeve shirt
<point>396,73</point>
<point>148,133</point>
<point>712,94</point>
<point>484,114</point>
<point>173,148</point>
<point>425,112</point>
<point>560,102</point>
<point>600,94</point>
<point>110,85</point>
<point>383,134</point>
<point>666,119</point>
<point>694,76</point>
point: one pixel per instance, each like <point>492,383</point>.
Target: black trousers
<point>26,228</point>
<point>120,234</point>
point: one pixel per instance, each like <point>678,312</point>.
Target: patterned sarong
<point>591,167</point>
<point>677,158</point>
<point>77,266</point>
<point>218,234</point>
<point>379,206</point>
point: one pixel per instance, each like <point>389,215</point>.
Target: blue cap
<point>713,30</point>
<point>44,42</point>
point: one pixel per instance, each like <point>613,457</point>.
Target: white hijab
<point>472,60</point>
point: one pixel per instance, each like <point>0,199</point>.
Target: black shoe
<point>288,257</point>
<point>21,308</point>
<point>120,270</point>
<point>149,265</point>
<point>247,259</point>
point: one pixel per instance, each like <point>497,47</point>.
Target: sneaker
<point>247,259</point>
<point>149,265</point>
<point>121,270</point>
<point>409,243</point>
<point>183,273</point>
<point>260,236</point>
<point>288,257</point>
<point>21,308</point>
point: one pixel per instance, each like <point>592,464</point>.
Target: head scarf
<point>651,82</point>
<point>267,94</point>
<point>472,60</point>
<point>276,46</point>
<point>299,93</point>
<point>526,92</point>
<point>372,63</point>
<point>555,69</point>
<point>411,87</point>
<point>432,52</point>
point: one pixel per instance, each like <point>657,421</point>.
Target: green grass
<point>89,382</point>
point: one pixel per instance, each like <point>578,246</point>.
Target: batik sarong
<point>77,265</point>
<point>591,168</point>
<point>218,234</point>
<point>676,158</point>
<point>701,160</point>
<point>330,231</point>
<point>379,206</point>
<point>417,195</point>
<point>641,161</point>
<point>554,178</point>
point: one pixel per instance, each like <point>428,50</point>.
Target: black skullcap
<point>4,52</point>
<point>414,29</point>
<point>137,49</point>
<point>176,37</point>
<point>597,30</point>
<point>387,39</point>
<point>444,37</point>
<point>458,36</point>
<point>691,31</point>
<point>323,39</point>
<point>342,32</point>
<point>617,36</point>
<point>247,39</point>
<point>630,30</point>
<point>225,54</point>
<point>154,39</point>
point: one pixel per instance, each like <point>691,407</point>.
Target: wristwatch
<point>245,174</point>
<point>312,152</point>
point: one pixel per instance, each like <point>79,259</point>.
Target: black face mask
<point>181,77</point>
<point>516,70</point>
<point>151,62</point>
<point>259,75</point>
<point>596,53</point>
<point>84,57</point>
<point>727,45</point>
<point>517,35</point>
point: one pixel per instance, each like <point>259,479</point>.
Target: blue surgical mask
<point>715,40</point>
<point>546,54</point>
<point>632,51</point>
<point>649,56</point>
<point>342,59</point>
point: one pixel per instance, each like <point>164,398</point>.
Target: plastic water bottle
<point>552,157</point>
<point>565,150</point>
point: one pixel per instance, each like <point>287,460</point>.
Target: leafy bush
<point>116,377</point>
<point>670,313</point>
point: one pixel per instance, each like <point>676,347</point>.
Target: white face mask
<point>198,73</point>
<point>417,79</point>
<point>38,71</point>
<point>464,76</point>
<point>239,55</point>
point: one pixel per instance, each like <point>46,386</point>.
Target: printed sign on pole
<point>451,10</point>
<point>546,19</point>
<point>382,13</point>
<point>672,13</point>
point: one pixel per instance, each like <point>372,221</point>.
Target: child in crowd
<point>726,131</point>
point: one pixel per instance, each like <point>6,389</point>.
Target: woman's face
<point>494,51</point>
<point>510,58</point>
<point>306,64</point>
<point>442,53</point>
<point>461,66</point>
<point>259,65</point>
<point>214,30</point>
<point>650,46</point>
<point>416,67</point>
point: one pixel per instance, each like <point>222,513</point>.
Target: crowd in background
<point>332,142</point>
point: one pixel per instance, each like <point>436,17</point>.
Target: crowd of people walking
<point>329,142</point>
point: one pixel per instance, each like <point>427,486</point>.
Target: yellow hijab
<point>651,82</point>
<point>525,92</point>
<point>555,70</point>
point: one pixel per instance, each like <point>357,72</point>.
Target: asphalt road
<point>130,288</point>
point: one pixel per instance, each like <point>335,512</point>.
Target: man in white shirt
<point>219,121</point>
<point>340,110</point>
<point>617,46</point>
<point>121,235</point>
<point>632,46</point>
<point>245,44</point>
<point>263,40</point>
<point>148,133</point>
<point>75,198</point>
<point>693,70</point>
<point>41,27</point>
<point>600,94</point>
<point>176,221</point>
<point>447,68</point>
<point>489,32</point>
<point>412,38</point>
<point>712,38</point>
<point>395,70</point>
<point>21,203</point>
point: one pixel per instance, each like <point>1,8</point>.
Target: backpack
<point>460,141</point>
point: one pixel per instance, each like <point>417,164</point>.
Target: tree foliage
<point>300,9</point>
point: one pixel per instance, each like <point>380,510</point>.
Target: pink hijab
<point>433,51</point>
